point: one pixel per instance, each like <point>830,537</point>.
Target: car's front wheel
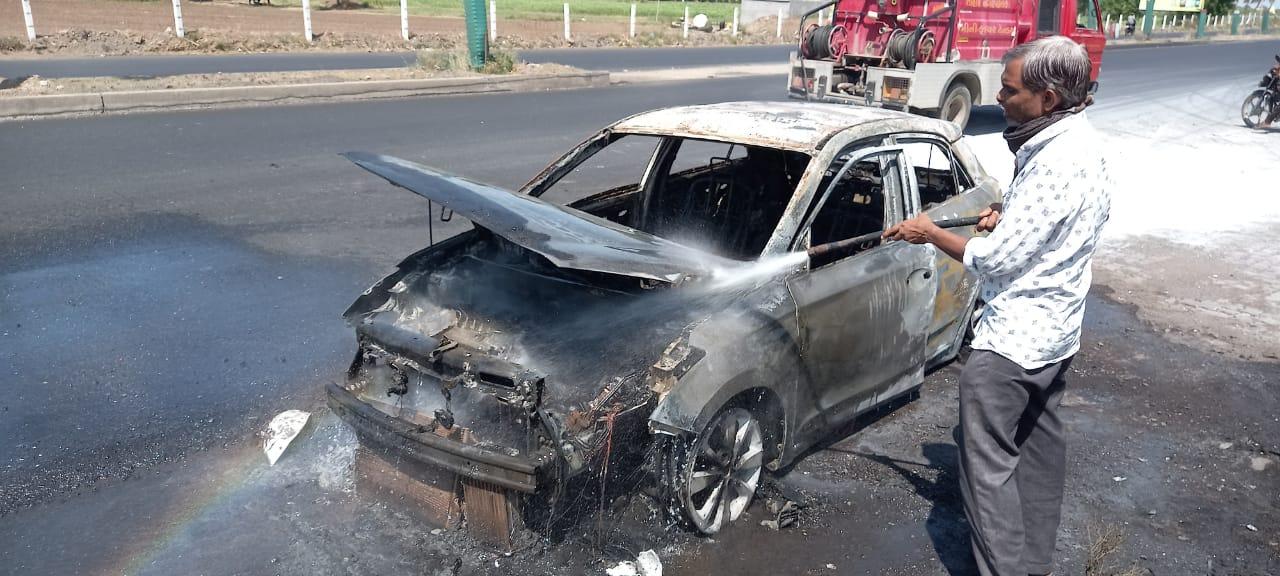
<point>714,476</point>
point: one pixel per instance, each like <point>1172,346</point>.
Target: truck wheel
<point>957,105</point>
<point>714,476</point>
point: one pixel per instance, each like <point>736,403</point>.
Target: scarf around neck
<point>1018,135</point>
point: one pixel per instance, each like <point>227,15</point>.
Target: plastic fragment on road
<point>281,431</point>
<point>646,564</point>
<point>785,513</point>
<point>649,563</point>
<point>1118,479</point>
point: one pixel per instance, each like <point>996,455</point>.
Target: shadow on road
<point>947,527</point>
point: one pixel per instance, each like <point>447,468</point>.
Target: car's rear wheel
<point>714,477</point>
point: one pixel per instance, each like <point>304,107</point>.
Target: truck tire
<point>957,105</point>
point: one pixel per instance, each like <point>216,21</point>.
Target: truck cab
<point>939,60</point>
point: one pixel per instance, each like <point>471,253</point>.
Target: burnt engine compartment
<point>494,347</point>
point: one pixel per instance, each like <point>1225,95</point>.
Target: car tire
<point>957,105</point>
<point>713,476</point>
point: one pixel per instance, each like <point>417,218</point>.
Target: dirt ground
<point>114,27</point>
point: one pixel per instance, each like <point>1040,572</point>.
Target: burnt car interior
<point>936,176</point>
<point>722,198</point>
<point>855,207</point>
<point>727,203</point>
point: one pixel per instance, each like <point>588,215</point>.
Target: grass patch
<point>11,44</point>
<point>647,11</point>
<point>499,61</point>
<point>1104,543</point>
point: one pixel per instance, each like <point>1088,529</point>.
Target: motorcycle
<point>1262,103</point>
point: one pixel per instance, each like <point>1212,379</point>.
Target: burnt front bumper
<point>399,438</point>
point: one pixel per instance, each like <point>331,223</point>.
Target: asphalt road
<point>171,280</point>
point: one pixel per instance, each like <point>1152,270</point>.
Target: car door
<point>944,191</point>
<point>863,315</point>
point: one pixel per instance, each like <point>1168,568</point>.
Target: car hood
<point>567,237</point>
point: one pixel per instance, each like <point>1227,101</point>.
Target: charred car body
<point>703,303</point>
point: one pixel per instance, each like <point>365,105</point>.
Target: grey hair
<point>1055,63</point>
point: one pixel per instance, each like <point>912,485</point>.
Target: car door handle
<point>925,273</point>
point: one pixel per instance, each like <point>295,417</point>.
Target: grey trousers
<point>1012,462</point>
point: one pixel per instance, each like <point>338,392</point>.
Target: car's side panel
<point>863,321</point>
<point>748,347</point>
<point>956,287</point>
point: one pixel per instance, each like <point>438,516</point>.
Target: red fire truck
<point>940,58</point>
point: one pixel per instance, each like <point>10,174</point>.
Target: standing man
<point>1034,270</point>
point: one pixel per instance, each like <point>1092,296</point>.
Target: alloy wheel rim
<point>724,470</point>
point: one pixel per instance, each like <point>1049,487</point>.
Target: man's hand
<point>990,216</point>
<point>917,230</point>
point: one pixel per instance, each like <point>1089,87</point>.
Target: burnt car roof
<point>567,237</point>
<point>797,126</point>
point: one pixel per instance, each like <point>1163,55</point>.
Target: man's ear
<point>1051,100</point>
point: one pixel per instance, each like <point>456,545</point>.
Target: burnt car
<point>695,283</point>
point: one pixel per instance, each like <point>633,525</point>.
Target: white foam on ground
<point>1185,168</point>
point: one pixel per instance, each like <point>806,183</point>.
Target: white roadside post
<point>566,20</point>
<point>177,19</point>
<point>686,21</point>
<point>821,14</point>
<point>493,19</point>
<point>1107,24</point>
<point>1164,22</point>
<point>631,31</point>
<point>31,24</point>
<point>306,19</point>
<point>735,20</point>
<point>780,22</point>
<point>404,19</point>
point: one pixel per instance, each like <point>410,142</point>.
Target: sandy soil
<point>112,27</point>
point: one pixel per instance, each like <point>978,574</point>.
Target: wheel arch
<point>970,81</point>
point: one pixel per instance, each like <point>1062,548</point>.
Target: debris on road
<point>282,430</point>
<point>646,564</point>
<point>784,512</point>
<point>1119,478</point>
